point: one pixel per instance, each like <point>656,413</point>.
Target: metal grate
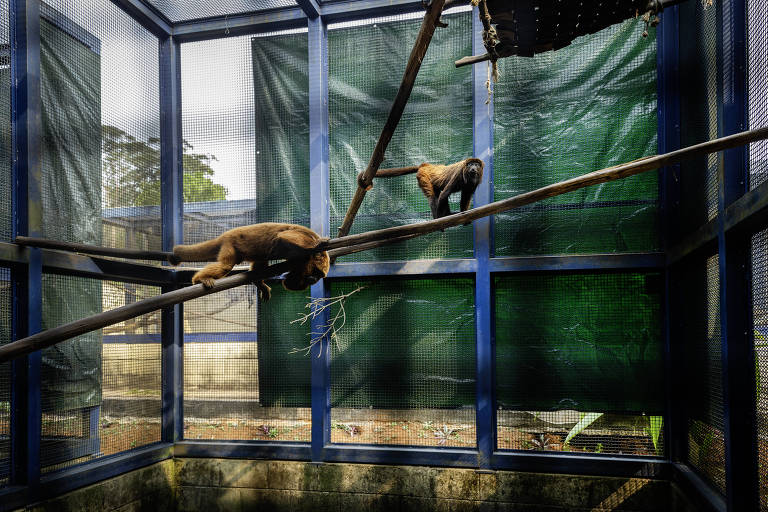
<point>403,363</point>
<point>579,363</point>
<point>101,391</point>
<point>5,377</point>
<point>698,113</point>
<point>247,149</point>
<point>435,127</point>
<point>700,297</point>
<point>757,71</point>
<point>6,189</point>
<point>229,377</point>
<point>186,10</point>
<point>760,318</point>
<point>101,153</point>
<point>561,114</point>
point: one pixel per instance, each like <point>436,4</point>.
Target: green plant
<point>584,422</point>
<point>654,430</point>
<point>599,448</point>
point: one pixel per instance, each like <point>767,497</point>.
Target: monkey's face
<point>474,169</point>
<point>308,273</point>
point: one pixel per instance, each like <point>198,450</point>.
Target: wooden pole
<point>593,178</point>
<point>396,112</point>
<point>133,254</point>
<point>64,332</point>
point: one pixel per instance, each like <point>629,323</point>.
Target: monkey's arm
<point>466,196</point>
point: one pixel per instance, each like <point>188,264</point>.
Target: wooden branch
<point>396,112</point>
<point>616,172</point>
<point>335,253</point>
<point>472,59</point>
<point>133,254</point>
<point>64,332</point>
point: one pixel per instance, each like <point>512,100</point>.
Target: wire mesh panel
<point>698,114</point>
<point>101,153</point>
<point>366,64</point>
<point>5,377</point>
<point>98,400</point>
<point>579,363</point>
<point>184,10</point>
<point>561,114</point>
<point>698,287</point>
<point>238,386</point>
<point>6,226</point>
<point>757,73</point>
<point>760,331</point>
<point>246,130</point>
<point>403,362</point>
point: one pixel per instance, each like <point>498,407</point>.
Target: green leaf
<point>585,421</point>
<point>654,430</point>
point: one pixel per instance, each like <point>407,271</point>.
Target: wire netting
<point>698,114</point>
<point>100,150</point>
<point>5,377</point>
<point>760,330</point>
<point>698,287</point>
<point>403,362</point>
<point>97,399</point>
<point>366,64</point>
<point>246,130</point>
<point>560,114</point>
<point>757,76</point>
<point>6,190</point>
<point>237,385</point>
<point>579,362</point>
<point>186,10</point>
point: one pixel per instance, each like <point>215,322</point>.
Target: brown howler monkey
<point>259,243</point>
<point>440,181</point>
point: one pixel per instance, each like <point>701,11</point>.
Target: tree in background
<point>131,171</point>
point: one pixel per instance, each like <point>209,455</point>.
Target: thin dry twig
<point>316,308</point>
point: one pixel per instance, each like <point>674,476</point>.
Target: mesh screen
<point>757,72</point>
<point>6,190</point>
<point>586,349</point>
<point>101,153</point>
<point>698,114</point>
<point>760,316</point>
<point>5,377</point>
<point>184,10</point>
<point>98,400</point>
<point>403,363</point>
<point>238,387</point>
<point>366,64</point>
<point>561,114</point>
<point>699,290</point>
<point>248,146</point>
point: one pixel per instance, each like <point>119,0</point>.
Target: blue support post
<point>319,206</point>
<point>172,204</point>
<point>26,119</point>
<point>668,109</point>
<point>734,248</point>
<point>483,229</point>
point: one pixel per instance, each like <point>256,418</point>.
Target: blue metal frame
<point>482,129</point>
<point>26,106</point>
<point>172,207</point>
<point>147,16</point>
<point>734,248</point>
<point>319,178</point>
<point>239,25</point>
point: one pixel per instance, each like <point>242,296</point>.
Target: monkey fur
<point>438,182</point>
<point>259,243</point>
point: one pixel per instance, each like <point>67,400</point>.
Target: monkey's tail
<point>204,251</point>
<point>387,173</point>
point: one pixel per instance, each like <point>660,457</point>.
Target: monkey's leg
<point>433,205</point>
<point>227,259</point>
<point>265,292</point>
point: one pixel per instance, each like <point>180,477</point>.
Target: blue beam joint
<point>26,130</point>
<point>482,115</point>
<point>172,204</point>
<point>319,177</point>
<point>310,8</point>
<point>734,249</point>
<point>668,112</point>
